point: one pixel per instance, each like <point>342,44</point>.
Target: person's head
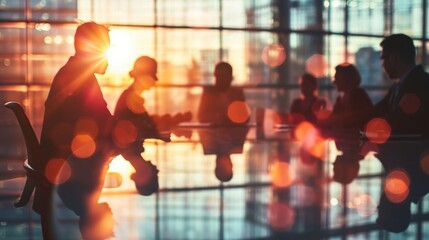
<point>398,53</point>
<point>308,85</point>
<point>146,178</point>
<point>223,170</point>
<point>91,41</point>
<point>346,77</point>
<point>98,223</point>
<point>223,75</point>
<point>144,72</point>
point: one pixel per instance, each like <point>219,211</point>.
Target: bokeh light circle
<point>282,174</point>
<point>238,112</point>
<point>273,55</point>
<point>57,171</point>
<point>378,130</point>
<point>396,186</point>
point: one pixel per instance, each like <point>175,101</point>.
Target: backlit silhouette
<point>85,153</point>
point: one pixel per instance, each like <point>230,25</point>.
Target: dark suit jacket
<point>214,104</point>
<point>408,112</point>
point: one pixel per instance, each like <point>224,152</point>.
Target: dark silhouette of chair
<point>36,180</point>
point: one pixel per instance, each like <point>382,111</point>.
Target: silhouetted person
<point>75,97</point>
<point>406,110</point>
<point>308,105</point>
<point>216,100</point>
<point>228,132</point>
<point>353,104</point>
<point>405,107</point>
<point>130,107</point>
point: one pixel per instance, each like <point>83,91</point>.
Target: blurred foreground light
<point>396,186</point>
<point>378,130</point>
<point>316,65</point>
<point>280,216</point>
<point>57,171</point>
<point>238,112</point>
<point>364,205</point>
<point>424,163</point>
<point>83,146</point>
<point>282,174</point>
<point>273,55</point>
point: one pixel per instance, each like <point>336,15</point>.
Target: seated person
<point>130,107</point>
<point>216,100</point>
<point>307,106</point>
<point>353,104</point>
<point>223,140</point>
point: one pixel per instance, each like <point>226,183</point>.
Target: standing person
<point>307,106</point>
<point>353,104</point>
<point>75,98</point>
<point>405,109</point>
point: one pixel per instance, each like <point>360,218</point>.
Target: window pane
<point>305,14</point>
<point>51,47</point>
<point>188,13</point>
<point>405,16</point>
<point>247,13</point>
<point>13,58</point>
<point>180,51</point>
<point>12,10</point>
<point>333,15</point>
<point>140,12</point>
<point>54,10</point>
<point>366,16</point>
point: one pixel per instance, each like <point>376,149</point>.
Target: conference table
<point>288,182</point>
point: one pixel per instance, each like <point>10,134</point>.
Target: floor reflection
<point>254,204</point>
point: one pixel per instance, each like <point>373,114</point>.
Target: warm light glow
<point>238,112</point>
<point>410,103</point>
<point>316,65</point>
<point>305,130</point>
<point>280,216</point>
<point>282,174</point>
<point>57,171</point>
<point>323,114</point>
<point>86,126</point>
<point>83,146</point>
<point>121,53</point>
<point>273,55</point>
<point>424,164</point>
<point>124,133</point>
<point>378,130</point>
<point>317,149</point>
<point>396,186</point>
<point>364,205</point>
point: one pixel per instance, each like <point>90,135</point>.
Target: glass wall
<point>269,43</point>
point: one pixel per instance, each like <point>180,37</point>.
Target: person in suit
<point>405,109</point>
<point>229,129</point>
<point>75,97</point>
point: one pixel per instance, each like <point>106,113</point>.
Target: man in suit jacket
<point>406,109</point>
<point>406,105</point>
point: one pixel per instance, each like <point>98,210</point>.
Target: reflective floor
<point>276,192</point>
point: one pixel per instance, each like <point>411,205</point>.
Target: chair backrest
<point>34,152</point>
